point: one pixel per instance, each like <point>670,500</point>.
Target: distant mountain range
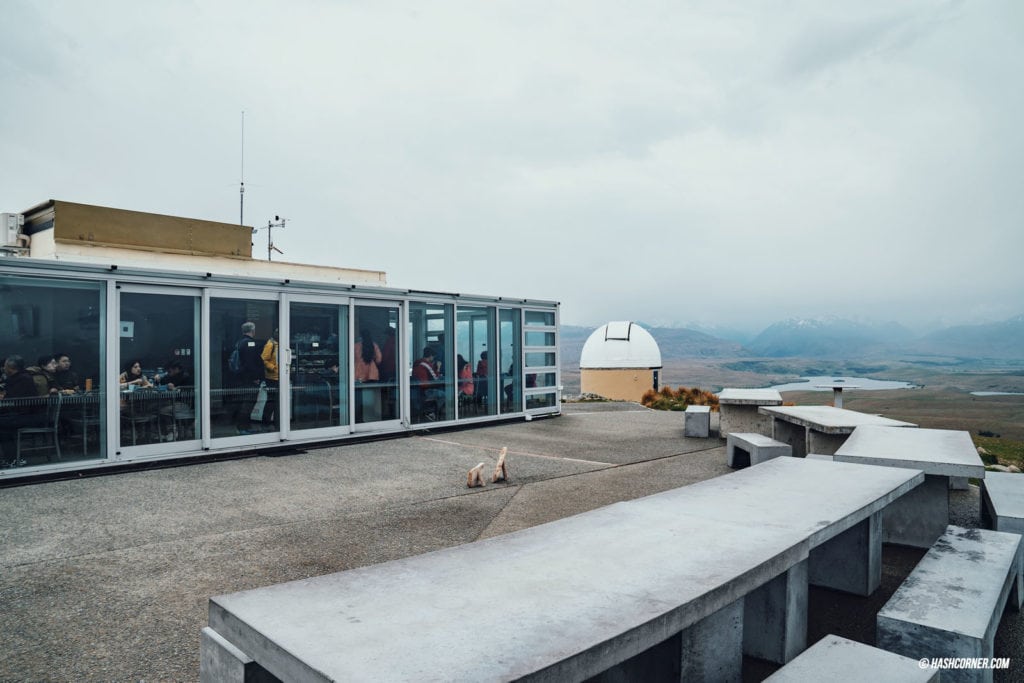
<point>829,338</point>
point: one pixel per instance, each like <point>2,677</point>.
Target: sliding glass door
<point>375,356</point>
<point>159,369</point>
<point>242,357</point>
<point>318,365</point>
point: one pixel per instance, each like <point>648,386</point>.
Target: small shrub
<point>668,399</point>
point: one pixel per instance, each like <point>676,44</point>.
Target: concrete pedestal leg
<point>1016,598</point>
<point>222,662</point>
<point>919,517</point>
<point>852,561</point>
<point>775,617</point>
<point>826,444</point>
<point>794,435</point>
<point>712,649</point>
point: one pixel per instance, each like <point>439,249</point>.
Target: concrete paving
<point>108,578</point>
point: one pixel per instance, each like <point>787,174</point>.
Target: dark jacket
<point>22,385</point>
<point>44,380</point>
<point>249,354</point>
<point>67,379</point>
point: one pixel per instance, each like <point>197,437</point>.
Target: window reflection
<point>51,341</point>
<point>511,366</point>
<point>475,331</point>
<point>319,371</point>
<point>433,373</point>
<point>159,335</point>
<point>375,363</point>
<point>241,401</point>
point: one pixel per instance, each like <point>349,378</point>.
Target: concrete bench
<point>1002,501</point>
<point>745,449</point>
<point>951,603</point>
<point>680,579</point>
<point>697,422</point>
<point>837,659</point>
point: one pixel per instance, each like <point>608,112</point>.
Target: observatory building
<point>169,341</point>
<point>620,361</point>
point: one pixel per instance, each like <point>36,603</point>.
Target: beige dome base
<point>628,384</point>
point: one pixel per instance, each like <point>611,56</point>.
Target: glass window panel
<point>319,369</point>
<point>543,379</point>
<point>540,338</point>
<point>475,331</point>
<point>236,379</point>
<point>160,397</point>
<point>40,319</point>
<point>540,401</point>
<point>375,363</point>
<point>540,318</point>
<point>537,359</point>
<point>509,336</point>
<point>432,375</point>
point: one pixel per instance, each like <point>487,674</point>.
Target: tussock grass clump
<point>668,398</point>
<point>998,451</point>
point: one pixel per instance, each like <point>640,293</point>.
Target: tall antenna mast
<point>241,185</point>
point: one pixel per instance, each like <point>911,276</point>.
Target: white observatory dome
<point>620,345</point>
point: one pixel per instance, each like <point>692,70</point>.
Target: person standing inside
<point>246,358</point>
<point>272,378</point>
<point>366,361</point>
<point>367,358</point>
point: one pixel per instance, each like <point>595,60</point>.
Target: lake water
<point>997,393</point>
<point>861,383</point>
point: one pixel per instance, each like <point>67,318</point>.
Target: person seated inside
<point>18,384</point>
<point>481,378</point>
<point>176,377</point>
<point>132,376</point>
<point>67,380</point>
<point>44,375</point>
<point>465,377</point>
<point>424,372</point>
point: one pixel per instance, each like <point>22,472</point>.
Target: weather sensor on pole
<point>278,222</point>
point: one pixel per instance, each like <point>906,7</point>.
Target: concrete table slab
<point>837,391</point>
<point>921,517</point>
<point>1002,501</point>
<point>738,410</point>
<point>578,596</point>
<point>845,546</point>
<point>819,429</point>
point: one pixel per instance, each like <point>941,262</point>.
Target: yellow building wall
<point>627,384</point>
<point>103,226</point>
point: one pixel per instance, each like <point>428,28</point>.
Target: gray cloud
<point>848,159</point>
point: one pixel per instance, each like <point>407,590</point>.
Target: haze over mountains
<point>828,338</point>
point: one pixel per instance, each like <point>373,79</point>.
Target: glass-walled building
<point>108,365</point>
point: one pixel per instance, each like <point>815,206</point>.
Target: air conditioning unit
<point>10,227</point>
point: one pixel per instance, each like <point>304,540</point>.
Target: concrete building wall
<point>627,384</point>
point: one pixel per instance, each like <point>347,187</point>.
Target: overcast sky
<point>733,163</point>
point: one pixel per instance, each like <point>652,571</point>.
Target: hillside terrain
<point>946,366</point>
<point>835,339</point>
